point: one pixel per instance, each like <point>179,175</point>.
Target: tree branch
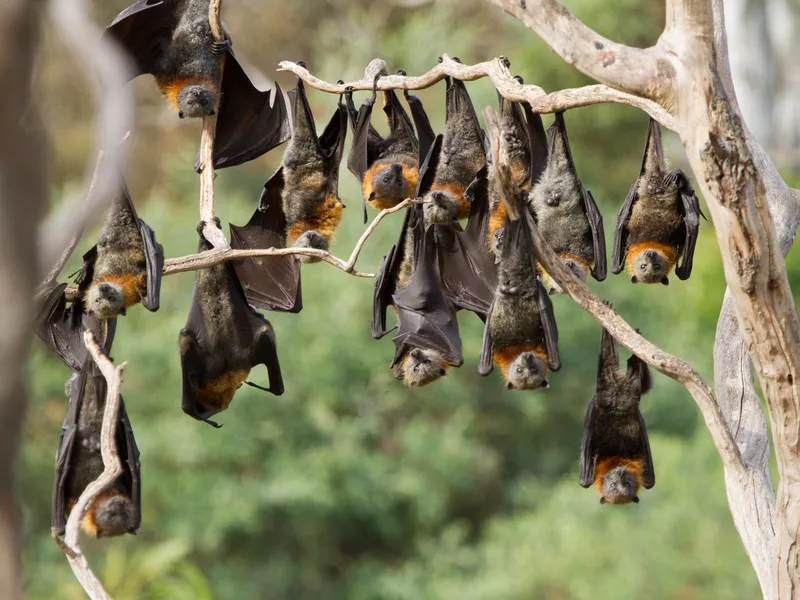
<point>506,85</point>
<point>112,469</point>
<point>213,234</point>
<point>639,71</point>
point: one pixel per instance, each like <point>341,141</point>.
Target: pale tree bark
<point>22,201</point>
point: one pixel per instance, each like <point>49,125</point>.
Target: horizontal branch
<point>507,86</point>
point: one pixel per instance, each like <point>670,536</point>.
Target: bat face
<point>105,300</point>
<point>195,101</point>
<point>619,486</point>
<point>526,372</point>
<point>441,207</point>
<point>112,514</point>
<point>386,186</point>
<point>423,366</point>
<point>650,264</point>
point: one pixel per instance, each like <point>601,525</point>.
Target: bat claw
<point>401,72</point>
<point>505,61</point>
<point>301,63</point>
<point>519,79</point>
<point>220,48</point>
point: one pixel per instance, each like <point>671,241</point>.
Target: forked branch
<point>112,469</point>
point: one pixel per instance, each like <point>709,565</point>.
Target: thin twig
<point>213,234</point>
<point>506,85</point>
<point>112,468</point>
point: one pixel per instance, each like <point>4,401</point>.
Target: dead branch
<point>500,76</point>
<point>112,469</point>
<point>213,234</point>
<point>101,55</point>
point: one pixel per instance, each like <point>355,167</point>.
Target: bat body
<point>525,146</point>
<point>658,221</point>
<point>224,338</point>
<point>463,156</point>
<point>269,282</point>
<point>520,335</point>
<point>310,192</point>
<point>615,451</point>
<point>388,168</point>
<point>566,213</point>
<point>172,40</point>
<point>125,266</point>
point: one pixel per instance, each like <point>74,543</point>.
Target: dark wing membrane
<point>269,282</point>
<point>691,217</point>
<point>588,460</point>
<point>331,144</point>
<point>401,132</point>
<point>250,122</point>
<point>129,455</point>
<point>66,445</point>
<point>386,280</point>
<point>648,473</point>
<point>549,326</point>
<point>598,234</point>
<point>143,29</point>
<point>537,139</point>
<point>425,133</point>
<point>154,259</point>
<point>621,232</point>
<point>486,360</point>
<point>428,166</point>
<point>358,160</point>
<point>192,361</point>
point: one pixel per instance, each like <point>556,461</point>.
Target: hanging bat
<point>615,451</point>
<point>172,40</point>
<point>658,221</point>
<point>463,156</point>
<point>311,176</point>
<point>224,338</point>
<point>525,144</point>
<point>566,213</point>
<point>427,342</point>
<point>520,335</point>
<point>388,167</point>
<point>269,282</point>
<point>124,267</point>
<point>79,462</point>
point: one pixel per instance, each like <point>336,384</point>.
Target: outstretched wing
<point>144,29</point>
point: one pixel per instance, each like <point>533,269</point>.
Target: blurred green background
<point>350,486</point>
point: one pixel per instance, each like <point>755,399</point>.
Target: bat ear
<point>602,500</point>
<point>545,385</point>
<point>442,372</point>
<point>122,311</point>
<point>665,281</point>
<point>636,499</point>
<point>180,114</point>
<point>510,386</point>
<point>634,279</point>
<point>132,531</point>
<point>371,196</point>
<point>212,113</point>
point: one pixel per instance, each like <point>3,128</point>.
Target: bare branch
<point>695,16</point>
<point>213,234</point>
<point>112,469</point>
<point>643,72</point>
<point>101,55</point>
<point>500,76</point>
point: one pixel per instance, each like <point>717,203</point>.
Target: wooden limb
<point>642,72</point>
<point>112,469</point>
<point>506,85</point>
<point>213,234</point>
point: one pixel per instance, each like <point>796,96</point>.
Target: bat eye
<point>519,370</point>
<point>642,267</point>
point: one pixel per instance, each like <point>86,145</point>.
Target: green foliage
<point>351,486</point>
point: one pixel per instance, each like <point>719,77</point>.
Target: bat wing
<point>66,445</point>
<point>598,234</point>
<point>269,282</point>
<point>143,29</point>
<point>425,134</point>
<point>691,218</point>
<point>401,131</point>
<point>588,459</point>
<point>425,316</point>
<point>129,455</point>
<point>250,122</point>
<point>549,326</point>
<point>331,144</point>
<point>486,362</point>
<point>468,272</point>
<point>537,138</point>
<point>386,280</point>
<point>648,473</point>
<point>621,232</point>
<point>192,361</point>
<point>365,139</point>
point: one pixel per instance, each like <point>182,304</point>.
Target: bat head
<point>526,372</point>
<point>311,239</point>
<point>620,486</point>
<point>440,207</point>
<point>105,300</point>
<point>389,186</point>
<point>649,265</point>
<point>423,366</point>
<point>196,101</point>
<point>113,515</point>
<point>557,186</point>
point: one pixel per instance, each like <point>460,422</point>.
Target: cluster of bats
<point>436,267</point>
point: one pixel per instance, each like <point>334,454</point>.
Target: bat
<point>224,338</point>
<point>658,221</point>
<point>125,267</point>
<point>387,167</point>
<point>566,213</point>
<point>269,282</point>
<point>172,40</point>
<point>79,461</point>
<point>520,335</point>
<point>463,156</point>
<point>427,342</point>
<point>525,146</point>
<point>615,450</point>
<point>310,191</point>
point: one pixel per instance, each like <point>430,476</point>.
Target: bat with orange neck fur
<point>615,451</point>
